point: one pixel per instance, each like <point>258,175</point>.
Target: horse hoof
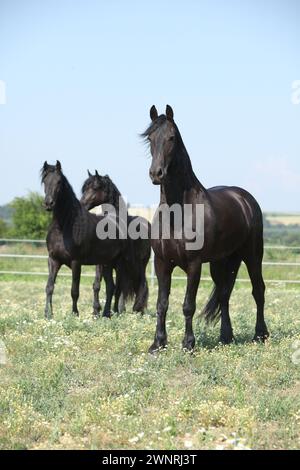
<point>157,347</point>
<point>226,340</point>
<point>106,315</point>
<point>261,337</point>
<point>188,349</point>
<point>188,346</point>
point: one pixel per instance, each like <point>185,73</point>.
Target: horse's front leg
<point>189,305</point>
<point>76,272</point>
<point>110,289</point>
<point>54,267</point>
<point>164,274</point>
<point>96,289</point>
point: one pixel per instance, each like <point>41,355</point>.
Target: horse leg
<point>189,304</point>
<point>141,299</point>
<point>76,272</point>
<point>164,273</point>
<point>117,294</point>
<point>224,275</point>
<point>96,289</point>
<point>110,289</point>
<point>254,265</point>
<point>53,266</point>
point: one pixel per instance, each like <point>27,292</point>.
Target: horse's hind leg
<point>76,272</point>
<point>253,261</point>
<point>119,304</point>
<point>189,304</point>
<point>117,293</point>
<point>224,273</point>
<point>96,289</point>
<point>54,267</point>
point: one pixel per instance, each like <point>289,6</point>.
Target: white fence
<point>151,276</point>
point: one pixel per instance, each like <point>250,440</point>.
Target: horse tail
<point>224,274</point>
<point>144,253</point>
<point>212,311</point>
<point>127,275</point>
<point>125,281</point>
<point>129,271</point>
<point>132,271</point>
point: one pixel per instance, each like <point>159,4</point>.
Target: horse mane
<point>154,126</point>
<point>182,160</point>
<point>66,188</point>
<point>105,182</point>
<point>113,192</point>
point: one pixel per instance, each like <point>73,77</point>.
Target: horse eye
<point>171,138</point>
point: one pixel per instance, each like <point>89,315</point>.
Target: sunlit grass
<point>84,383</point>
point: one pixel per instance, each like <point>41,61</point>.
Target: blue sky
<point>81,76</point>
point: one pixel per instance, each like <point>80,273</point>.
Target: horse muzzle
<point>157,176</point>
<point>48,205</point>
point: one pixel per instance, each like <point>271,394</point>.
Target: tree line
<point>25,217</point>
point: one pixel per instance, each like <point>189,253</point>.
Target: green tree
<point>30,220</point>
<point>3,228</point>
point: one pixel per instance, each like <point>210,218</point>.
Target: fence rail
<point>152,273</point>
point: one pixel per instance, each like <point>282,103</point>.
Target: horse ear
<point>45,166</point>
<point>96,173</point>
<point>89,174</point>
<point>169,113</point>
<point>153,113</point>
<point>58,165</point>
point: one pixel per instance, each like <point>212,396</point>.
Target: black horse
<point>233,232</point>
<point>72,240</point>
<point>98,190</point>
<point>59,256</point>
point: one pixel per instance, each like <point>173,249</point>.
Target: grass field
<point>84,383</point>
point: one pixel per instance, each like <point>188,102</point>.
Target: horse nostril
<point>159,173</point>
<point>49,203</point>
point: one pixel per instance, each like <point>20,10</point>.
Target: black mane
<point>67,197</point>
<point>105,183</point>
<point>154,126</point>
<point>181,164</point>
<point>113,192</point>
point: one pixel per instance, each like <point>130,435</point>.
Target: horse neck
<point>67,209</point>
<point>115,198</point>
<point>180,180</point>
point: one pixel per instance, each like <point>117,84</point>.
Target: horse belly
<point>101,252</point>
<point>173,251</point>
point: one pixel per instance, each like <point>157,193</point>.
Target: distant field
<point>284,219</point>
